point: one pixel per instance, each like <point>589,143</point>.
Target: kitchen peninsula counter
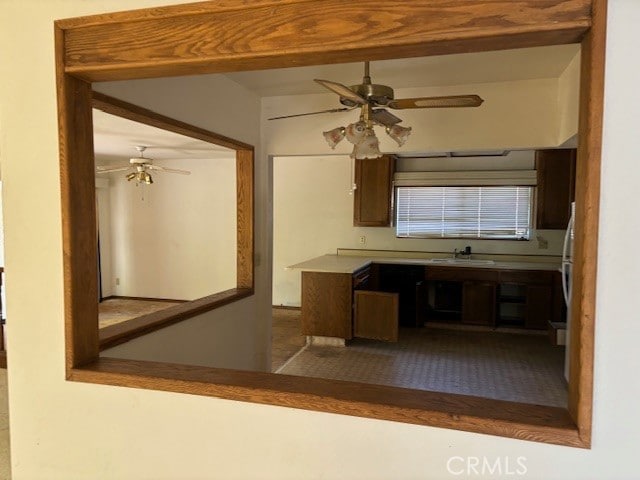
<point>347,296</point>
<point>352,263</point>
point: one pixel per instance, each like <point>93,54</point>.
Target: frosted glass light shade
<point>399,134</point>
<point>369,147</point>
<point>335,136</point>
<point>355,132</point>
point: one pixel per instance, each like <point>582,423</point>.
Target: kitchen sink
<point>461,261</point>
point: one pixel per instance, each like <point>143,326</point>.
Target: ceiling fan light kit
<point>369,97</point>
<point>140,177</point>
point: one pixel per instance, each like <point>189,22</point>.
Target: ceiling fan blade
<point>168,170</point>
<point>384,117</point>
<point>332,110</point>
<point>343,91</point>
<point>108,169</point>
<point>437,102</point>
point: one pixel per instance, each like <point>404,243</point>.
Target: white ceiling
<point>459,69</point>
<point>115,138</point>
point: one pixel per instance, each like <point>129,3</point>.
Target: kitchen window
<point>485,212</point>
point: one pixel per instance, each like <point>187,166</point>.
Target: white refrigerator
<point>567,272</point>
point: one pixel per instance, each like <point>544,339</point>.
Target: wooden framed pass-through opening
<point>233,35</point>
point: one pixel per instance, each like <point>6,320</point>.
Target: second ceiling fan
<point>140,167</point>
<point>373,101</point>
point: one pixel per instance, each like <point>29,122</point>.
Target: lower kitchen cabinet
<point>327,304</point>
<point>479,303</point>
<point>538,312</point>
<point>337,305</point>
<point>529,299</point>
<point>408,282</point>
<point>375,300</point>
<point>375,315</point>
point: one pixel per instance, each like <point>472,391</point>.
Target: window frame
<point>108,47</point>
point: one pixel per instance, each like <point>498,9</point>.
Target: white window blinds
<point>492,212</point>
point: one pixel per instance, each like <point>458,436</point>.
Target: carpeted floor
<point>116,310</point>
<point>520,368</point>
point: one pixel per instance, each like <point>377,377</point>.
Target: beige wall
<point>569,100</point>
<point>103,211</point>
<point>64,430</point>
<point>176,238</point>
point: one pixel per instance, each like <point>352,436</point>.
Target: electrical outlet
<point>362,240</point>
<point>117,281</point>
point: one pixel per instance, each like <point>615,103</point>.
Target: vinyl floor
<point>505,366</point>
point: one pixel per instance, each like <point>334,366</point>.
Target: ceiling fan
<point>140,167</point>
<point>373,101</point>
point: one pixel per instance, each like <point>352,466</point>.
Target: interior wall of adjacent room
<point>176,238</point>
<point>313,215</point>
<point>103,206</point>
<point>138,433</point>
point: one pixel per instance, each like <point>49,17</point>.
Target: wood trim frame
<point>122,332</point>
<point>233,35</point>
<point>118,333</point>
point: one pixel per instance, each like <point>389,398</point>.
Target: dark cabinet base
<point>408,282</point>
<point>387,295</point>
<point>479,303</point>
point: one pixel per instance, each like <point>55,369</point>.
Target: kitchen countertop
<point>350,264</point>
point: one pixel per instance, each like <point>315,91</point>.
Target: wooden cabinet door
<point>556,186</point>
<point>538,307</point>
<point>326,304</point>
<point>376,315</point>
<point>479,303</point>
<point>372,197</point>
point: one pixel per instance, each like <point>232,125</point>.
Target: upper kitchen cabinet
<point>372,197</point>
<point>556,187</point>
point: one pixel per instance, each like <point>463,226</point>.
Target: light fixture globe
<point>399,134</point>
<point>369,147</point>
<point>335,136</point>
<point>356,132</point>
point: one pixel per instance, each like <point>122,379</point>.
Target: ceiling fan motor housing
<point>140,161</point>
<point>378,94</point>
